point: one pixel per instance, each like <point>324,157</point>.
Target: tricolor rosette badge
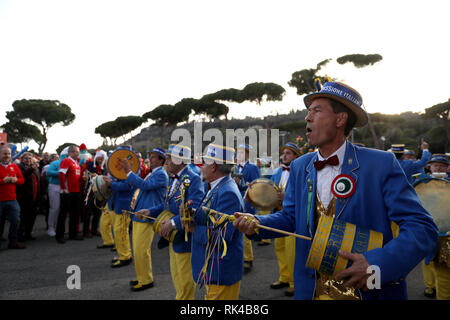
<point>343,186</point>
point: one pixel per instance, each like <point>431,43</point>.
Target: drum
<point>166,215</point>
<point>333,235</point>
<point>262,194</point>
<point>434,193</point>
<point>115,167</point>
<point>101,191</point>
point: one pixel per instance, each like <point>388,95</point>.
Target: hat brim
<point>361,115</point>
<point>439,161</point>
<point>159,154</point>
<point>290,148</point>
<point>220,160</point>
<point>178,157</point>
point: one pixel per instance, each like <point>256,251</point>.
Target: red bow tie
<point>333,161</point>
<point>285,168</point>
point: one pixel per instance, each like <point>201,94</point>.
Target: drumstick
<point>134,213</point>
<point>231,218</point>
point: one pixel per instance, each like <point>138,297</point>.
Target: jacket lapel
<point>311,183</point>
<point>349,167</point>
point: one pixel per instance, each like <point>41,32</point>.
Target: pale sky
<point>107,59</point>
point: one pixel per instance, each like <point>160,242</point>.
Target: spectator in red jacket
<point>10,176</point>
<point>70,183</point>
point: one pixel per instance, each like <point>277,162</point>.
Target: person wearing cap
<point>439,163</point>
<point>150,192</point>
<point>285,246</point>
<point>375,193</point>
<point>121,202</point>
<point>409,155</point>
<point>177,158</point>
<point>411,167</point>
<point>248,172</point>
<point>218,248</point>
<point>436,274</point>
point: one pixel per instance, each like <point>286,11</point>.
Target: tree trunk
<point>374,135</point>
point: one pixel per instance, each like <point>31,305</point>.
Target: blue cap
<point>345,95</point>
<point>159,151</point>
<point>220,154</point>
<point>438,157</point>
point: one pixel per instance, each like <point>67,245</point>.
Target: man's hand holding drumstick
<point>245,223</point>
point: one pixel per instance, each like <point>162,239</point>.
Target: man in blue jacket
<point>178,157</point>
<point>362,186</point>
<point>411,167</point>
<point>150,192</point>
<point>248,172</point>
<point>217,247</point>
<point>122,194</point>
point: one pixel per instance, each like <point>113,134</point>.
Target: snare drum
<point>100,189</point>
<point>262,194</point>
<point>333,235</point>
<point>166,215</point>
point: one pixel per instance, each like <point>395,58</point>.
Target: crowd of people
<point>201,212</point>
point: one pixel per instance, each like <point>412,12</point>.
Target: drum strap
<point>326,286</point>
<point>133,200</point>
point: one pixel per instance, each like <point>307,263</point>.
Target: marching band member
<point>285,246</point>
<point>361,186</point>
<point>150,192</point>
<point>122,194</point>
<point>217,248</point>
<point>411,167</point>
<point>248,172</point>
<point>436,274</point>
<point>177,158</point>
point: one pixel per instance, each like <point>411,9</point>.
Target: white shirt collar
<point>216,182</point>
<point>72,159</point>
<point>339,152</point>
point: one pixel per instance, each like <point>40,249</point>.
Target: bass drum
<point>262,194</point>
<point>434,193</point>
<point>114,165</point>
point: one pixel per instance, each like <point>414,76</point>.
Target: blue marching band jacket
<point>225,265</point>
<point>172,202</point>
<point>382,196</point>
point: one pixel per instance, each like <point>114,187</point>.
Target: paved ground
<point>39,273</point>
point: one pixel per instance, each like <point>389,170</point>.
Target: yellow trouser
<point>218,292</point>
<point>142,240</point>
<point>106,222</point>
<point>121,236</point>
<point>248,249</point>
<point>181,271</point>
<point>429,275</point>
<point>442,281</point>
<point>285,252</point>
